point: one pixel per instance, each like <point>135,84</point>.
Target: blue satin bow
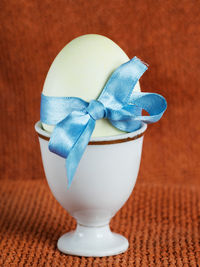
<point>75,118</point>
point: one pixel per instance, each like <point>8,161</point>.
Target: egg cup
<point>102,184</point>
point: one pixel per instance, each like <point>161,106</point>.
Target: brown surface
<point>160,221</point>
<point>161,218</point>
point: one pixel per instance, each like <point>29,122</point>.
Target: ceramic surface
<point>102,184</point>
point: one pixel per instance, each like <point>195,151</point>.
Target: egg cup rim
<point>101,140</point>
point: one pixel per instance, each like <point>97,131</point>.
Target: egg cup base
<point>92,242</point>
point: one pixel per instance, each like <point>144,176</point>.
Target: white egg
<point>81,69</point>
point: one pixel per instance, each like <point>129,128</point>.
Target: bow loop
<point>96,110</point>
<point>119,86</point>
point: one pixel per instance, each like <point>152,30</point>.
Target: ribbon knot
<point>96,110</point>
<point>75,119</point>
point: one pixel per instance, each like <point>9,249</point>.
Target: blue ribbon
<point>75,118</point>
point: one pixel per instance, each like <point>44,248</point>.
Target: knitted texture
<point>162,215</point>
<point>160,221</point>
<point>165,34</point>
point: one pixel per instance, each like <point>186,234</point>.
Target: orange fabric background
<point>165,34</point>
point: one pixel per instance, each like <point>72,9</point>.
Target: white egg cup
<point>102,184</point>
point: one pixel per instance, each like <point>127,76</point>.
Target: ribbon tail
<point>67,132</point>
<point>77,150</point>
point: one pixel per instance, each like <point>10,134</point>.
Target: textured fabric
<point>166,34</point>
<point>161,221</point>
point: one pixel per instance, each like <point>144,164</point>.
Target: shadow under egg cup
<point>103,182</point>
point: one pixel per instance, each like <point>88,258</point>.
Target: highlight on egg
<point>81,69</point>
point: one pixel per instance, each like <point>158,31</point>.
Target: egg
<point>81,69</point>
